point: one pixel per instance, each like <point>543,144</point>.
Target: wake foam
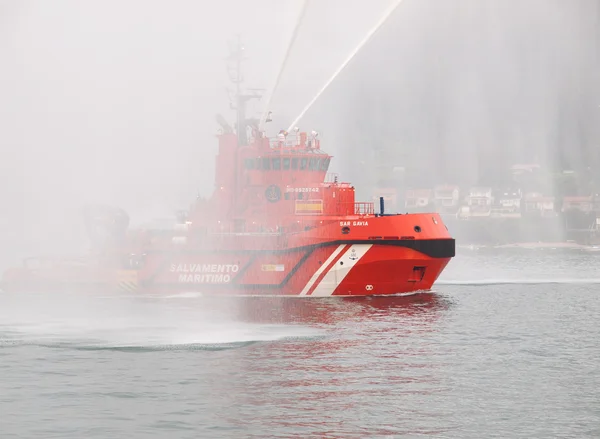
<point>190,295</point>
<point>564,281</point>
<point>184,342</point>
<point>137,325</point>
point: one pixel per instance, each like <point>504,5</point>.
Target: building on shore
<point>519,212</point>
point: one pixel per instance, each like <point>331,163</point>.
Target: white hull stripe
<point>336,275</point>
<point>315,276</point>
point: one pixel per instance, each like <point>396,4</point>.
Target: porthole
<point>418,229</point>
<point>345,230</point>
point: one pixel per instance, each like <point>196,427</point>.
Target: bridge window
<point>249,163</point>
<point>325,164</point>
<point>258,162</point>
<point>313,164</point>
<point>286,163</point>
<point>294,163</point>
<point>266,163</point>
<point>303,163</point>
<point>277,164</point>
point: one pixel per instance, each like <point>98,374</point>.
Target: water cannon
<point>300,139</point>
<point>269,117</point>
<point>312,143</point>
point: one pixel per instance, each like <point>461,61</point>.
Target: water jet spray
<point>283,64</point>
<point>380,23</point>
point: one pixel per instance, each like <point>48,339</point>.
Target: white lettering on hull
<point>204,268</point>
<point>354,223</point>
<point>204,273</point>
<point>204,278</point>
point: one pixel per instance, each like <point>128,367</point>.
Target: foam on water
<point>190,295</point>
<point>519,282</point>
<point>132,323</point>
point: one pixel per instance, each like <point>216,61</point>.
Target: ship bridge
<point>283,180</point>
<point>284,160</point>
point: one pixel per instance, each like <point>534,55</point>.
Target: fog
<point>464,89</point>
<point>114,102</point>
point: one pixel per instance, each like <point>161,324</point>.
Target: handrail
<point>364,208</point>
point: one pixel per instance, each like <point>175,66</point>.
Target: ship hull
<point>343,268</point>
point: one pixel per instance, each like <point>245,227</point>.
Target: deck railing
<point>364,208</point>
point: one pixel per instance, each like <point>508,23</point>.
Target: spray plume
<point>284,63</point>
<point>380,23</point>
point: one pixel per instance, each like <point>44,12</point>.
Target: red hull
<point>344,269</point>
<point>332,270</point>
<point>331,260</point>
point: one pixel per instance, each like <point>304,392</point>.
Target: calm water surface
<point>507,346</point>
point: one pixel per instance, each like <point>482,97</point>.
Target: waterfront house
<point>539,204</point>
<point>478,202</point>
<point>417,200</point>
<point>507,203</point>
<point>446,199</point>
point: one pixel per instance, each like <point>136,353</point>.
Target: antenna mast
<point>234,68</point>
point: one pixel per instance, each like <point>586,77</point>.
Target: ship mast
<point>240,99</point>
